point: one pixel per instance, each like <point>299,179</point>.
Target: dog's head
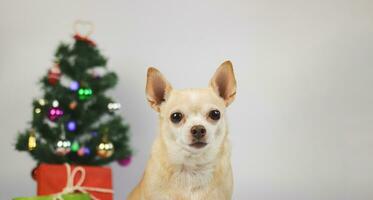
<point>193,119</point>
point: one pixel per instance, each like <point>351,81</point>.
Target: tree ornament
<point>55,113</point>
<point>71,126</point>
<point>55,103</point>
<point>113,106</point>
<point>73,105</point>
<point>37,110</point>
<point>74,85</point>
<point>83,151</point>
<point>87,151</point>
<point>75,146</point>
<point>42,102</point>
<point>54,74</point>
<point>105,149</point>
<point>31,141</point>
<point>63,147</point>
<point>125,162</point>
<point>85,93</point>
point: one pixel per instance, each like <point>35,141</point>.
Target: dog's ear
<point>224,83</point>
<point>157,88</point>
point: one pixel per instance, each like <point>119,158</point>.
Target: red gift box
<point>54,179</point>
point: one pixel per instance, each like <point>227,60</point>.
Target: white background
<point>301,125</point>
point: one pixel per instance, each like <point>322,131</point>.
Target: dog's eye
<point>214,115</point>
<point>176,117</point>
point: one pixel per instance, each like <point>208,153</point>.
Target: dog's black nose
<point>198,131</point>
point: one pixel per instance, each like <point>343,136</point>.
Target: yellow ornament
<point>31,141</point>
<point>105,149</point>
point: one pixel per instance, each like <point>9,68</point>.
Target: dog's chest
<point>193,177</point>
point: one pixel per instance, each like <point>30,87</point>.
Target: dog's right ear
<point>157,88</point>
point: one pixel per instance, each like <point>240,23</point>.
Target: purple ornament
<point>86,151</point>
<point>74,86</point>
<point>71,125</point>
<point>125,162</point>
<point>55,113</point>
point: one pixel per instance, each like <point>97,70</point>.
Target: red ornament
<point>54,74</point>
<point>73,105</point>
<point>84,39</point>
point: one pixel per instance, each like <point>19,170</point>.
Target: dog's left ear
<point>157,88</point>
<point>224,83</point>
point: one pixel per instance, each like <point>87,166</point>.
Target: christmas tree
<point>74,122</point>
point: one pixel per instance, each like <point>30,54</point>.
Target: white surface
<point>301,126</point>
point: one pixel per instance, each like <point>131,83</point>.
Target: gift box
<point>53,179</point>
<point>51,197</point>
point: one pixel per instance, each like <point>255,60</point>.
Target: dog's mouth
<point>198,145</point>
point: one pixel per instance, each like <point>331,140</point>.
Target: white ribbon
<point>70,187</point>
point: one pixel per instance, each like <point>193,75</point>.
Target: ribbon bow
<point>70,187</point>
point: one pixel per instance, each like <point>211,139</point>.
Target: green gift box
<point>50,197</point>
